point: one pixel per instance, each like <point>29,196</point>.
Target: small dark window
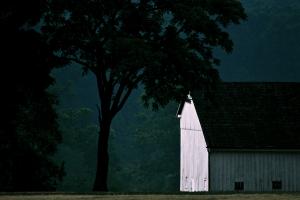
<point>239,186</point>
<point>276,185</point>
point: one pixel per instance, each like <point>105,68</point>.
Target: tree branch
<point>127,94</point>
<point>117,97</point>
<point>101,91</point>
<point>99,113</point>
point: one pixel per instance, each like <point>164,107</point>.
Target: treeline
<point>29,132</point>
<point>144,146</point>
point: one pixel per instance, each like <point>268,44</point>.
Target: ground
<point>284,196</point>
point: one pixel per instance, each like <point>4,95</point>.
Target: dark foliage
<point>29,131</point>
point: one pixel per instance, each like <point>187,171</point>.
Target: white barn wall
<point>193,152</point>
<point>257,169</point>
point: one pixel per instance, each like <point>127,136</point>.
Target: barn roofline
<point>181,105</point>
<point>180,108</point>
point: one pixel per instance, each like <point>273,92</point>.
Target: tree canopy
<point>165,45</point>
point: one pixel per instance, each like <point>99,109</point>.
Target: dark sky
<point>267,45</point>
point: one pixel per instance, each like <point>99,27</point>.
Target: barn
<point>241,137</point>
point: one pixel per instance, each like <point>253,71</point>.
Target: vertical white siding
<point>257,169</point>
<point>193,152</point>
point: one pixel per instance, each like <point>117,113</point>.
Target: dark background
<point>144,146</point>
<point>45,149</point>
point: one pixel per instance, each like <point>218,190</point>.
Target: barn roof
<point>255,115</point>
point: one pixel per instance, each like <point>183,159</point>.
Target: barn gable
<point>193,151</point>
<point>188,115</point>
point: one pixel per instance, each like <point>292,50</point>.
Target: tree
<point>29,131</point>
<point>150,150</point>
<point>166,46</point>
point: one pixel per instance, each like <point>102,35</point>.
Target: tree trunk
<point>102,157</point>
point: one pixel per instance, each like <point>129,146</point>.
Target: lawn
<point>150,197</point>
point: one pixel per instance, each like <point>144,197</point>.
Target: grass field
<point>150,197</point>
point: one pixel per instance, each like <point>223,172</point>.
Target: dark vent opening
<point>239,186</point>
<point>276,185</point>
